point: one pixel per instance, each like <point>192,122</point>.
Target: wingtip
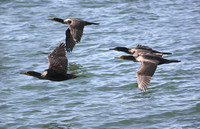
<point>61,44</point>
<point>142,89</point>
<point>68,50</point>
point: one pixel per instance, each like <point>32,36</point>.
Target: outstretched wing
<point>143,47</point>
<point>148,49</point>
<point>76,29</point>
<point>70,42</point>
<point>140,50</point>
<point>57,59</point>
<point>74,33</point>
<point>144,74</point>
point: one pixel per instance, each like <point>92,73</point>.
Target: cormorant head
<point>125,57</point>
<point>57,19</point>
<point>123,49</point>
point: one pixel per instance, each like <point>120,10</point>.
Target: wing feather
<point>76,29</point>
<point>70,42</point>
<point>144,74</point>
<point>143,47</point>
<point>57,59</point>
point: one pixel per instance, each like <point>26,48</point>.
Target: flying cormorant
<point>57,70</point>
<point>74,31</point>
<point>140,49</point>
<point>148,66</point>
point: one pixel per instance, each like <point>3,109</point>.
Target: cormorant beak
<point>52,19</point>
<point>119,57</point>
<point>112,49</point>
<point>24,73</point>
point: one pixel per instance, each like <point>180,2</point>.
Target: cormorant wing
<point>142,47</point>
<point>70,42</point>
<point>140,50</point>
<point>146,48</point>
<point>76,29</point>
<point>146,52</point>
<point>144,74</point>
<point>57,59</point>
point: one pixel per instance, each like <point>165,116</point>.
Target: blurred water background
<point>107,95</point>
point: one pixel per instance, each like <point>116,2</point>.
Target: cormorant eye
<point>69,22</point>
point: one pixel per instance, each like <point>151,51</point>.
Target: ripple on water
<point>106,93</point>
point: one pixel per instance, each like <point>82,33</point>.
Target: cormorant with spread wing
<point>149,59</point>
<point>74,31</point>
<point>57,70</point>
<point>140,49</point>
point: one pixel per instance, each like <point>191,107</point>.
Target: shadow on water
<point>76,68</point>
<point>53,125</point>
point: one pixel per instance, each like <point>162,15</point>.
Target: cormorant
<point>74,31</point>
<point>140,49</point>
<point>148,66</point>
<point>57,70</point>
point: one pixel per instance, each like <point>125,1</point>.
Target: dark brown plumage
<point>140,49</point>
<point>74,31</point>
<point>148,67</point>
<point>57,70</point>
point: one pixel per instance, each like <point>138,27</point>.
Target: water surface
<point>107,95</point>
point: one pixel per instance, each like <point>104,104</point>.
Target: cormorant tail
<point>90,23</point>
<point>165,61</point>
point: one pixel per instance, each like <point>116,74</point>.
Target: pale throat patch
<point>44,74</point>
<point>131,50</point>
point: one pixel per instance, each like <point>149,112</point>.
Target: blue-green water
<point>106,96</point>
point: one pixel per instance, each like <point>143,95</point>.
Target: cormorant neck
<point>33,73</point>
<point>57,19</point>
<point>131,58</point>
<point>124,49</point>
